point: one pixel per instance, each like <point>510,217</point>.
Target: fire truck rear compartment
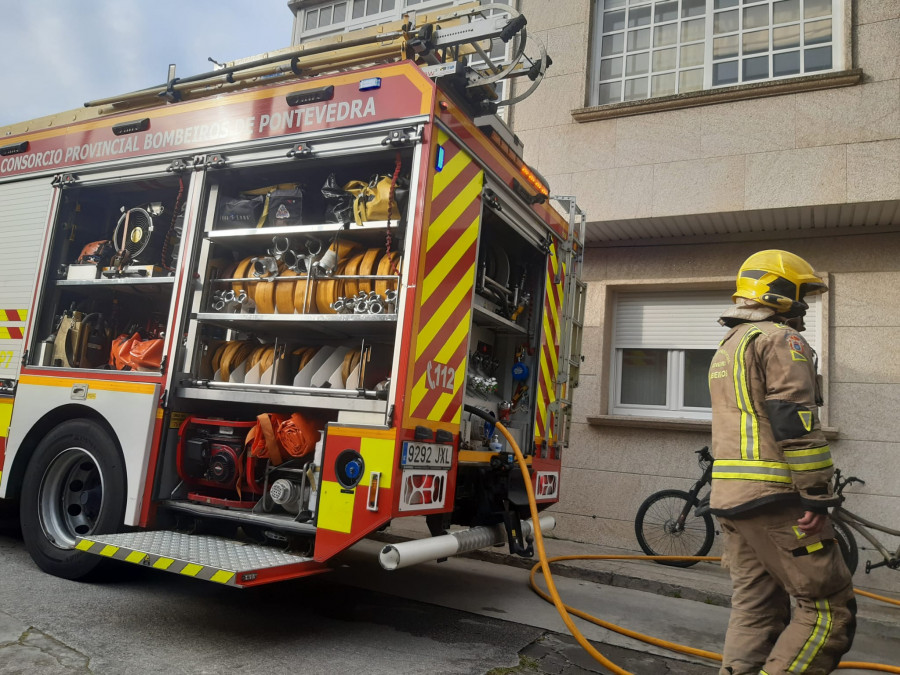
<point>271,298</point>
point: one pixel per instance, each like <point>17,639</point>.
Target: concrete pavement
<point>878,633</point>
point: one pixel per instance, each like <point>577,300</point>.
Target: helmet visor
<point>813,288</point>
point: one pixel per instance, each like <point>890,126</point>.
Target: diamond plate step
<point>224,561</point>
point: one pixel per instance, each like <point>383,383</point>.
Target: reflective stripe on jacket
<point>766,437</point>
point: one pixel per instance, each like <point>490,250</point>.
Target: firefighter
<point>771,481</point>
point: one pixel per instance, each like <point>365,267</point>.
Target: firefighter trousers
<point>770,561</point>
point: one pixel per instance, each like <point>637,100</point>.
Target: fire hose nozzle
<point>280,245</point>
<point>264,267</point>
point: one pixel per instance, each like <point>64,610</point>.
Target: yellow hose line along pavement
<point>565,610</point>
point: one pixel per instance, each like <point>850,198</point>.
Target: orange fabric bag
<point>136,354</point>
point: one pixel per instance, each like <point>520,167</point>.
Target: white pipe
<point>404,554</point>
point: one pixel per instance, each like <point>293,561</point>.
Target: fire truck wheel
<point>74,486</point>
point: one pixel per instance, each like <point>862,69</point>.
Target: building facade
<point>694,133</point>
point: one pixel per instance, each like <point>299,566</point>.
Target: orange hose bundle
<point>277,438</point>
<point>298,435</point>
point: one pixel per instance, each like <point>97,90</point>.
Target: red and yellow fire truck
<point>252,316</point>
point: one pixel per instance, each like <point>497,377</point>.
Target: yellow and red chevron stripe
<point>549,353</point>
<point>9,316</point>
<point>446,280</point>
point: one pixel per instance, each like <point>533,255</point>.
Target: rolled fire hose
<point>328,290</point>
<point>386,266</point>
<point>351,360</point>
<point>284,293</point>
<point>305,300</point>
<point>351,286</point>
<point>241,271</point>
<point>367,267</point>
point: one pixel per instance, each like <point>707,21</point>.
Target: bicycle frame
<point>705,479</point>
<point>861,525</point>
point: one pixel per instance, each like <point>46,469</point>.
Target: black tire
<point>74,486</point>
<point>658,534</point>
<point>847,543</point>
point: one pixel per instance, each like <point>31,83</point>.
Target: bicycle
<point>675,522</point>
<point>848,519</point>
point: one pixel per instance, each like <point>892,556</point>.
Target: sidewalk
<point>704,582</point>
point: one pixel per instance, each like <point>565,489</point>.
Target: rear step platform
<point>224,561</point>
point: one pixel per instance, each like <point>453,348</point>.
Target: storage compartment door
<point>23,222</point>
<point>446,279</point>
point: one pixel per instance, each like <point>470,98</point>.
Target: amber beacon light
<point>534,180</point>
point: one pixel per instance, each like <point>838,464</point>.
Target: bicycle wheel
<point>847,543</point>
<point>659,533</point>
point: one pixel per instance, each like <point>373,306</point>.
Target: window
<point>648,48</point>
<point>328,18</point>
<point>663,343</point>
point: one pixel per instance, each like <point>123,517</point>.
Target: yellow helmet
<point>778,279</point>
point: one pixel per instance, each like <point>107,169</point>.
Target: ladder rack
<point>438,43</point>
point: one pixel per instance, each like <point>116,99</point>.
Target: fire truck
<point>252,316</point>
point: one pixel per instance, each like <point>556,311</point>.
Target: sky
<point>57,54</point>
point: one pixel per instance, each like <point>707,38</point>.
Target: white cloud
<point>57,54</point>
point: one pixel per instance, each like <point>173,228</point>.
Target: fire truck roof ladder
<point>572,315</point>
<point>440,43</point>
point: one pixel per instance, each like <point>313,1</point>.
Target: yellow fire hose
<point>565,610</point>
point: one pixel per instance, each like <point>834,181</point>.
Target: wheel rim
<point>665,535</point>
<point>71,497</point>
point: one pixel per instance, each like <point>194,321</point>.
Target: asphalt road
<point>459,617</point>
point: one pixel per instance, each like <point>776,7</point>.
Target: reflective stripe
<point>745,469</point>
<point>817,638</point>
<point>749,422</point>
<point>191,569</point>
<point>810,459</point>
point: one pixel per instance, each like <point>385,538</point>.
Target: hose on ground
<point>565,611</point>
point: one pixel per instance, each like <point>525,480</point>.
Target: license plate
<point>426,455</point>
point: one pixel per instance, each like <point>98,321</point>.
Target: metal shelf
<point>338,326</point>
<point>312,228</point>
<point>276,520</point>
<point>298,400</point>
<point>486,318</point>
<point>119,281</point>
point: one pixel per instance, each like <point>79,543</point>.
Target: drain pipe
<point>404,554</point>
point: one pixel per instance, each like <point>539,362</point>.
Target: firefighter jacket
<point>766,437</point>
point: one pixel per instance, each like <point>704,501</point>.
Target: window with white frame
<point>650,48</point>
<point>663,342</point>
<point>317,20</point>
